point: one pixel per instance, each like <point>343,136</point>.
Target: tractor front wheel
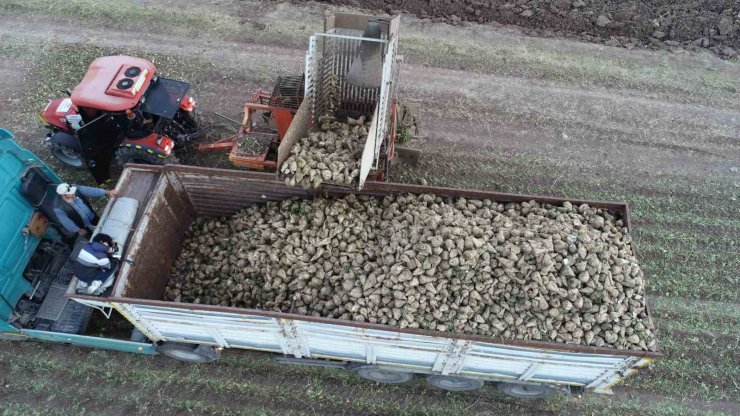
<point>68,156</point>
<point>132,155</point>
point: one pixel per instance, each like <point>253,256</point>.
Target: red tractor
<point>122,110</point>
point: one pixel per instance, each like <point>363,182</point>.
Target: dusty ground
<point>656,24</point>
<point>502,111</point>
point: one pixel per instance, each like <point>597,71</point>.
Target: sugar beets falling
<point>331,154</point>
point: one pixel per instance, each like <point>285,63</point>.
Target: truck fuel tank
<point>119,221</point>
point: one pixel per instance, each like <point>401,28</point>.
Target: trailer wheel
<point>452,383</point>
<point>188,352</point>
<point>526,391</point>
<point>381,375</point>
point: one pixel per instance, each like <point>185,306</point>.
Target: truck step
<point>54,303</point>
<point>73,320</point>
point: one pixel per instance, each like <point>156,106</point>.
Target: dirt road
<point>500,111</point>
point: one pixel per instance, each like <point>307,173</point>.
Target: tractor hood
<point>114,83</point>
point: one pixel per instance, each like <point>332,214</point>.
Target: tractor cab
<point>121,110</point>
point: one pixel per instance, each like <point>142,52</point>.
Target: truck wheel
<point>452,383</point>
<point>381,375</point>
<point>526,391</point>
<point>188,352</point>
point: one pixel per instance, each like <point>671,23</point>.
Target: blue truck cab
<point>18,241</point>
<point>35,260</point>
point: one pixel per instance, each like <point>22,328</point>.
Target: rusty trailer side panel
<point>184,192</point>
<point>157,239</point>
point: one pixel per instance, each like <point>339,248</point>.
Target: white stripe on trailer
<point>130,312</point>
<point>609,377</point>
<point>291,339</point>
<point>219,339</point>
<point>370,353</point>
<point>451,360</point>
<point>529,372</point>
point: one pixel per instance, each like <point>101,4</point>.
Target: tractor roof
<point>114,83</point>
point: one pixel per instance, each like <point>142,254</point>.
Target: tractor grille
<point>288,92</point>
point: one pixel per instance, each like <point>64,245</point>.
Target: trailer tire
<point>452,383</point>
<point>380,375</point>
<point>526,391</point>
<point>188,352</point>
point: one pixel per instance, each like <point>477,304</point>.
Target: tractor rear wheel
<point>188,119</point>
<point>132,155</point>
<point>68,156</point>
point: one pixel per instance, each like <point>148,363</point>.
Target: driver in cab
<point>75,216</point>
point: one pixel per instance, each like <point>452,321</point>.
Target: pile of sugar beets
<point>331,154</point>
<point>517,270</point>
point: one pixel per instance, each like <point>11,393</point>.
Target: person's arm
<point>90,258</point>
<point>66,222</point>
<point>105,262</point>
<point>92,192</point>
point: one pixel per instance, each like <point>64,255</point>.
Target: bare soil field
<point>500,111</point>
<point>654,23</point>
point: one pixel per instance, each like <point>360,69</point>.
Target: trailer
<point>171,197</point>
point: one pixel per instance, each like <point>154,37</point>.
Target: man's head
<point>103,239</point>
<point>67,191</point>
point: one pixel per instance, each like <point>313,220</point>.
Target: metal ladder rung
<point>54,303</point>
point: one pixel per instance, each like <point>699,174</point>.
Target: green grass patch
<point>623,406</point>
<point>125,13</point>
<point>527,62</point>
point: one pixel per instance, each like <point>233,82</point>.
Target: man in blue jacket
<point>75,216</point>
<point>95,265</point>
